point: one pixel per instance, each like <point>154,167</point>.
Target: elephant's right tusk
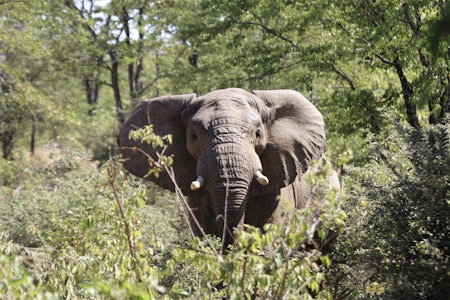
<point>262,180</point>
<point>197,183</point>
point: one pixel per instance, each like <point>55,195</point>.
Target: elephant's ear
<point>164,114</point>
<point>296,136</point>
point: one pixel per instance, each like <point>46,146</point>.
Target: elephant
<point>239,157</point>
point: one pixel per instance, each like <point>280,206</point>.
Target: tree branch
<point>344,76</point>
<point>271,31</point>
<point>277,70</point>
<point>85,24</point>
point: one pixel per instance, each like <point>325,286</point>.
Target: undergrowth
<point>70,230</point>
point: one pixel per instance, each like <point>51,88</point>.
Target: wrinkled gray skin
<point>226,136</point>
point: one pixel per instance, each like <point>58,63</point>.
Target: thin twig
<point>225,227</point>
<point>131,246</point>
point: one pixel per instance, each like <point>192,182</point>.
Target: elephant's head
<point>228,139</point>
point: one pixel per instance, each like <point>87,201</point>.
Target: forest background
<point>74,225</point>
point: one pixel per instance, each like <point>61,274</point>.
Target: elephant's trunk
<point>230,170</point>
<point>230,208</point>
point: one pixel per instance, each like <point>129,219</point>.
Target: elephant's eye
<point>258,134</point>
<point>194,136</point>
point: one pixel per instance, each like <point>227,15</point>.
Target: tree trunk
<point>135,83</point>
<point>115,85</point>
<point>33,134</point>
<point>91,85</point>
<point>445,98</point>
<point>134,69</point>
<point>7,139</point>
<point>193,61</point>
<point>407,91</point>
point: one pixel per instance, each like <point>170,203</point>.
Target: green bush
<point>65,219</point>
<point>8,175</point>
<point>396,244</point>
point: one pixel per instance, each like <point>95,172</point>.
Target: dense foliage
<point>74,225</point>
<point>396,244</point>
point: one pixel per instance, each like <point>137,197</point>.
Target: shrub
<point>396,245</point>
<point>66,223</point>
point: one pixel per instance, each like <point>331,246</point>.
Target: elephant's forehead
<point>215,108</point>
<point>219,102</point>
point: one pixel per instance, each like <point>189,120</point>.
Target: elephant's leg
<point>278,207</point>
<point>263,209</point>
<point>297,193</point>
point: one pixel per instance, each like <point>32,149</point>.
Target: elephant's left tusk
<point>262,180</point>
<point>197,183</point>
